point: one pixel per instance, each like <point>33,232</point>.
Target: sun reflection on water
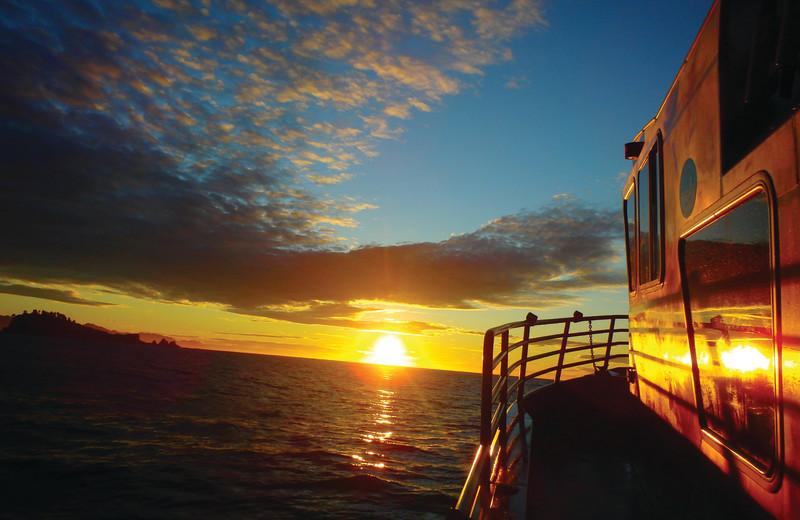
<point>377,435</point>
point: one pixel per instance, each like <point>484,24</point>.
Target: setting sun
<point>388,350</point>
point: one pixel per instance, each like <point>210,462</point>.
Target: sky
<point>302,177</point>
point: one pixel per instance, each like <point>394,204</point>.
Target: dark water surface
<point>95,430</point>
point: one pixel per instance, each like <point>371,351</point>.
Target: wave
<point>222,435</point>
<point>322,456</point>
<point>356,483</point>
<point>404,448</point>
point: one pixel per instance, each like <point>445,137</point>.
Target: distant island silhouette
<point>55,324</point>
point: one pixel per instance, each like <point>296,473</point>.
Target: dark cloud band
<point>151,149</point>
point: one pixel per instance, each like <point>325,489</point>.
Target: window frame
<point>767,477</point>
<point>654,164</point>
<point>629,202</point>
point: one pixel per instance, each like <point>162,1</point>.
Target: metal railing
<point>502,453</point>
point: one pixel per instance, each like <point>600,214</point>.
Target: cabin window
<point>728,280</point>
<point>629,210</point>
<point>650,217</point>
<point>644,224</point>
<point>759,70</point>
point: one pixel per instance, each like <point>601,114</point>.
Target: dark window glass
<point>644,224</point>
<point>630,235</point>
<point>759,72</point>
<point>728,278</point>
<point>655,212</point>
<point>650,217</point>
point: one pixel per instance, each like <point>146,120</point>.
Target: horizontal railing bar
<point>498,358</point>
<point>539,339</point>
<point>547,370</point>
<point>575,364</point>
<point>528,377</point>
<point>498,386</point>
<point>587,361</point>
<point>468,494</point>
<point>510,407</point>
<point>514,421</point>
<point>543,355</point>
<point>515,385</point>
<point>582,346</point>
<point>498,413</point>
<point>553,321</point>
<point>591,333</point>
<point>513,366</point>
<point>587,346</point>
<point>534,375</point>
<point>516,345</point>
<point>560,335</point>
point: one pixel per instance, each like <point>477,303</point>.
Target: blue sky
<point>298,177</point>
<point>585,88</point>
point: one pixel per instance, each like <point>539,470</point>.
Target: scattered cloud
<point>169,152</point>
<point>282,92</point>
<point>331,179</point>
<point>518,82</point>
<point>271,336</point>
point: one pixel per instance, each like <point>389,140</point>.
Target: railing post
<point>486,389</point>
<point>484,493</point>
<point>563,350</point>
<point>503,397</point>
<point>611,326</point>
<point>524,364</point>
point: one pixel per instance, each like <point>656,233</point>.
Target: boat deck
<point>597,452</point>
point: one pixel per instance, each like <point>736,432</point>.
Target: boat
<point>689,405</point>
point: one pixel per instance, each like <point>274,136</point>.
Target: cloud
<point>173,153</point>
<point>333,179</point>
<point>271,336</point>
<point>340,314</point>
<point>505,24</point>
<point>48,293</point>
<point>116,219</point>
<point>299,91</point>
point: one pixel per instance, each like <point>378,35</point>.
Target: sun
<point>388,350</point>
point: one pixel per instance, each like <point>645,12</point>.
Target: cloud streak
<point>48,293</point>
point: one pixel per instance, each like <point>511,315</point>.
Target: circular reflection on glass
<point>688,187</point>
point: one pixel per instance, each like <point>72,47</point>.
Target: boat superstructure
<point>712,230</point>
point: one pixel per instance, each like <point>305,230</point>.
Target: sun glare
<point>388,350</point>
<point>744,358</point>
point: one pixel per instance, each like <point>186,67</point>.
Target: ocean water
<point>96,430</point>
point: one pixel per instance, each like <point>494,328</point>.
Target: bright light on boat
<point>389,350</point>
<point>744,358</point>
